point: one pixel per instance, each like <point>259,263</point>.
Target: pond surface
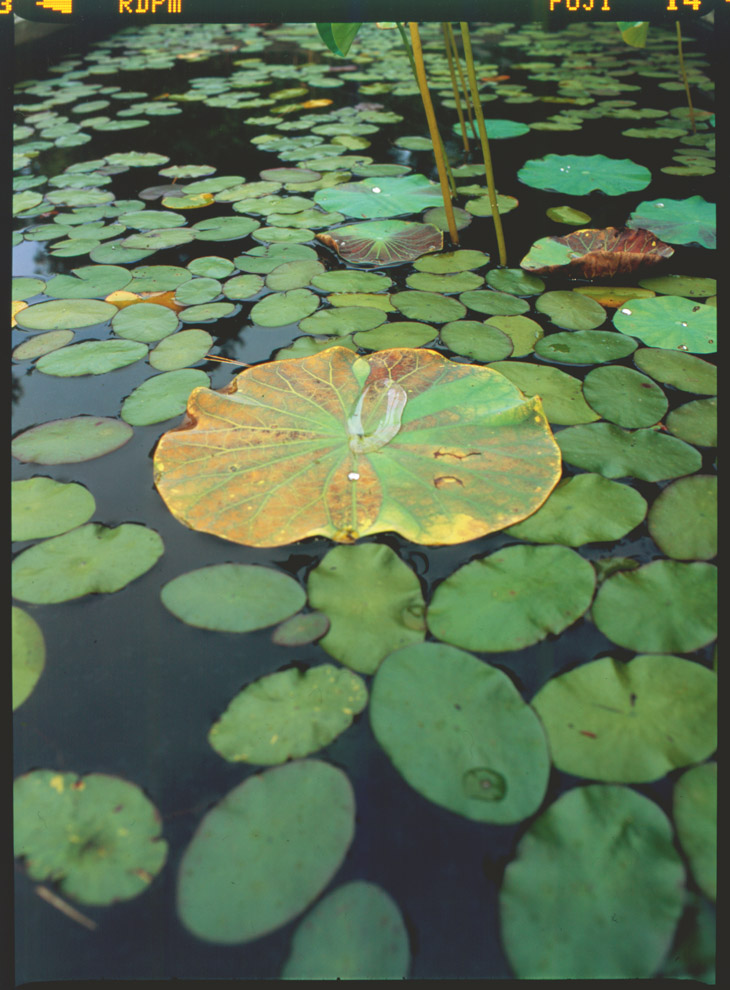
<point>131,689</point>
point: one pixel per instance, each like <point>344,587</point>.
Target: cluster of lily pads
<point>348,253</point>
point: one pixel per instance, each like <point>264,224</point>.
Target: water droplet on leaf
<point>353,476</point>
<point>484,784</point>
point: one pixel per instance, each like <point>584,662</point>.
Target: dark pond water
<point>131,691</point>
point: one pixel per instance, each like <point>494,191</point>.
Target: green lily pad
<point>567,214</point>
<point>179,171</point>
<point>63,314</point>
<point>430,307</point>
<point>682,370</point>
<point>373,601</point>
<point>68,441</point>
<point>162,396</point>
<point>481,206</point>
<point>371,300</point>
<point>198,290</point>
<point>356,932</point>
<point>478,341</point>
<point>211,266</point>
<point>383,242</point>
<point>662,607</point>
<point>42,343</point>
<point>180,350</point>
<point>380,197</point>
<point>678,221</point>
<point>586,508</point>
<point>145,322</point>
<point>459,733</point>
<point>521,330</point>
<point>624,396</point>
<point>116,252</point>
<point>457,282</point>
<point>242,286</point>
<point>224,228</point>
<point>438,218</point>
<point>515,281</point>
<point>560,392</point>
<point>670,321</point>
<point>581,174</point>
<point>23,287</point>
<point>584,347</point>
<point>595,891</point>
<point>91,357</point>
<point>282,308</point>
<point>681,285</point>
<point>152,219</point>
<point>300,629</point>
<point>451,262</point>
<point>87,282</point>
<point>630,722</point>
<point>512,598</point>
<point>283,235</point>
<point>695,817</point>
<point>159,239</point>
<point>28,655</point>
<point>305,346</point>
<point>43,507</point>
<point>618,453</point>
<point>288,715</point>
<point>342,320</point>
<point>399,334</point>
<point>265,852</point>
<point>683,519</point>
<point>97,836</point>
<point>158,278</point>
<point>695,422</point>
<point>351,280</point>
<point>493,302</point>
<point>570,310</point>
<point>293,275</point>
<point>496,128</point>
<point>233,597</point>
<point>206,312</point>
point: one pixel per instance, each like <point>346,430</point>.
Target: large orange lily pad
<point>344,446</point>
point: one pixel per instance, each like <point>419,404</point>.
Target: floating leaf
<point>460,734</point>
<point>97,836</point>
<point>293,275</point>
<point>457,282</point>
<point>662,607</point>
<point>494,303</point>
<point>695,422</point>
<point>42,343</point>
<point>679,221</point>
<point>581,174</point>
<point>681,285</point>
<point>198,290</point>
<point>180,350</point>
<point>496,129</point>
<point>161,397</point>
<point>356,932</point>
<point>680,369</point>
<point>88,560</point>
<point>342,320</point>
<point>28,655</point>
<point>380,197</point>
<point>158,240</point>
<point>23,287</point>
<point>585,347</point>
<point>596,253</point>
<point>300,629</point>
<point>282,308</point>
<point>384,242</point>
<point>617,453</point>
<point>521,330</point>
<point>624,396</point>
<point>68,441</point>
<point>211,266</point>
<point>683,518</point>
<point>158,278</point>
<point>567,214</point>
<point>512,598</point>
<point>435,459</point>
<point>89,281</point>
<point>43,507</point>
<point>429,306</point>
<point>351,280</point>
<point>670,321</point>
<point>91,357</point>
<point>65,314</point>
<point>695,816</point>
<point>586,508</point>
<point>630,722</point>
<point>288,715</point>
<point>224,228</point>
<point>515,281</point>
<point>145,322</point>
<point>595,891</point>
<point>571,311</point>
<point>478,341</point>
<point>265,852</point>
<point>207,312</point>
<point>559,392</point>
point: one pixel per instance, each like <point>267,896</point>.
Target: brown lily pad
<point>597,253</point>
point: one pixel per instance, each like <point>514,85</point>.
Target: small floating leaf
<point>624,396</point>
<point>695,816</point>
<point>683,518</point>
<point>42,507</point>
<point>670,321</point>
<point>28,654</point>
<point>161,397</point>
<point>63,314</point>
<point>679,221</point>
<point>68,441</point>
<point>618,453</point>
<point>91,357</point>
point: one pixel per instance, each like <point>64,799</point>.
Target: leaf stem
<point>454,85</point>
<point>684,78</point>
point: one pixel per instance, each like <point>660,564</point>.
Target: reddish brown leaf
<point>597,253</point>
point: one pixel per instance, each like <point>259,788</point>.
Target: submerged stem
<point>684,78</point>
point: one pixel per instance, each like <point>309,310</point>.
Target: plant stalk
<point>455,87</point>
<point>462,81</point>
<point>684,78</point>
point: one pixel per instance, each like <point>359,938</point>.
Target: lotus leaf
<point>288,715</point>
<point>356,932</point>
<point>521,330</point>
<point>671,322</point>
<point>265,852</point>
<point>92,357</point>
<point>67,441</point>
<point>679,369</point>
<point>695,816</point>
<point>679,221</point>
<point>180,350</point>
<point>97,836</point>
<point>367,454</point>
<point>28,655</point>
<point>586,508</point>
<point>630,722</point>
<point>380,197</point>
<point>560,392</point>
<point>585,347</point>
<point>515,281</point>
<point>460,734</point>
<point>662,607</point>
<point>42,343</point>
<point>512,598</point>
<point>571,311</point>
<point>43,507</point>
<point>624,396</point>
<point>596,253</point>
<point>87,560</point>
<point>161,397</point>
<point>64,314</point>
<point>595,891</point>
<point>695,422</point>
<point>581,174</point>
<point>382,243</point>
<point>232,597</point>
<point>89,281</point>
<point>477,341</point>
<point>683,518</point>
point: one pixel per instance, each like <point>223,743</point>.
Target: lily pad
<point>662,607</point>
<point>595,891</point>
<point>88,560</point>
<point>97,836</point>
<point>198,290</point>
<point>585,347</point>
<point>342,320</point>
<point>42,343</point>
<point>350,280</point>
<point>493,302</point>
<point>211,266</point>
<point>695,817</point>
<point>43,507</point>
<point>457,282</point>
<point>630,722</point>
<point>512,598</point>
<point>63,314</point>
<point>288,715</point>
<point>670,321</point>
<point>158,239</point>
<point>300,629</point>
<point>624,396</point>
<point>265,852</point>
<point>380,197</point>
<point>356,932</point>
<point>91,357</point>
<point>383,242</point>
<point>145,322</point>
<point>681,285</point>
<point>586,508</point>
<point>478,341</point>
<point>28,655</point>
<point>224,228</point>
<point>68,441</point>
<point>496,128</point>
<point>207,312</point>
<point>515,281</point>
<point>24,287</point>
<point>523,331</point>
<point>445,446</point>
<point>581,174</point>
<point>428,306</point>
<point>243,286</point>
<point>158,278</point>
<point>596,253</point>
<point>460,734</point>
<point>560,392</point>
<point>695,422</point>
<point>161,397</point>
<point>683,518</point>
<point>571,311</point>
<point>682,370</point>
<point>617,453</point>
<point>567,214</point>
<point>293,275</point>
<point>282,308</point>
<point>88,282</point>
<point>679,221</point>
